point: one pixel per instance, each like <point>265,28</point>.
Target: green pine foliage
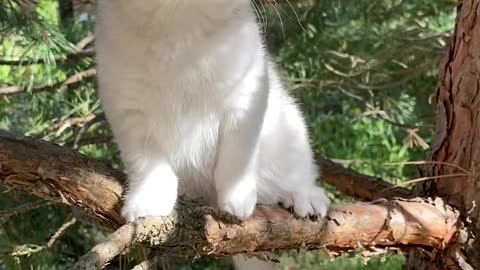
<point>364,72</point>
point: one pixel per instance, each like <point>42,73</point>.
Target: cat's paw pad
<point>239,201</point>
<point>144,204</point>
<point>311,202</point>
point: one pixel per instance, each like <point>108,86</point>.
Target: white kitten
<point>198,109</point>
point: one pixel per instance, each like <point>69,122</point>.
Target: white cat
<point>198,109</point>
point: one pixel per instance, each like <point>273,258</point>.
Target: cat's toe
<point>143,205</point>
<point>287,202</point>
<point>320,202</point>
<point>242,210</point>
<point>239,204</point>
<point>311,202</point>
<point>132,213</point>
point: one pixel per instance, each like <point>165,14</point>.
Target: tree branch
<point>30,249</point>
<point>358,185</point>
<point>147,264</point>
<point>5,214</point>
<point>202,231</point>
<point>71,81</point>
<point>57,173</point>
<point>77,53</point>
<point>74,56</point>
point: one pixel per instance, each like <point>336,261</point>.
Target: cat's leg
<point>287,166</point>
<point>152,190</point>
<point>152,183</point>
<point>235,170</point>
<point>243,263</point>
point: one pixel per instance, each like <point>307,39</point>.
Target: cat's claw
<point>311,202</point>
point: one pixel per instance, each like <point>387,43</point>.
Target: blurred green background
<point>364,72</point>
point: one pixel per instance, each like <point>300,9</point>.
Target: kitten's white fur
<point>198,109</point>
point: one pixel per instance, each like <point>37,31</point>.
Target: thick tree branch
<point>358,185</point>
<point>204,231</point>
<point>57,173</point>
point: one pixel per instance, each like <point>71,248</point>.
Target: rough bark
<point>206,232</point>
<point>457,134</point>
<point>59,174</point>
<point>56,173</point>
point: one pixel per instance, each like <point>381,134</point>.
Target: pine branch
<point>42,168</point>
<point>358,185</point>
<point>30,249</point>
<point>69,82</point>
<point>4,215</point>
<point>57,173</point>
<point>69,58</point>
<point>204,232</point>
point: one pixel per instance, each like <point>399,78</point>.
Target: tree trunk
<point>457,136</point>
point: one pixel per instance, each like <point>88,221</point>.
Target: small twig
<point>77,141</point>
<point>426,178</point>
<point>380,114</point>
<point>78,53</point>
<point>147,264</point>
<point>30,249</point>
<point>426,162</point>
<point>63,124</point>
<point>71,81</point>
<point>84,42</point>
<point>60,231</point>
<point>57,60</point>
<point>93,140</point>
<point>4,215</point>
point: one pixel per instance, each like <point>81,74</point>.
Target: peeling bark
<point>59,174</point>
<point>55,173</point>
<point>206,232</point>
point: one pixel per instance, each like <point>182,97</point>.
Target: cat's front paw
<point>147,203</point>
<point>311,202</point>
<point>239,201</point>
